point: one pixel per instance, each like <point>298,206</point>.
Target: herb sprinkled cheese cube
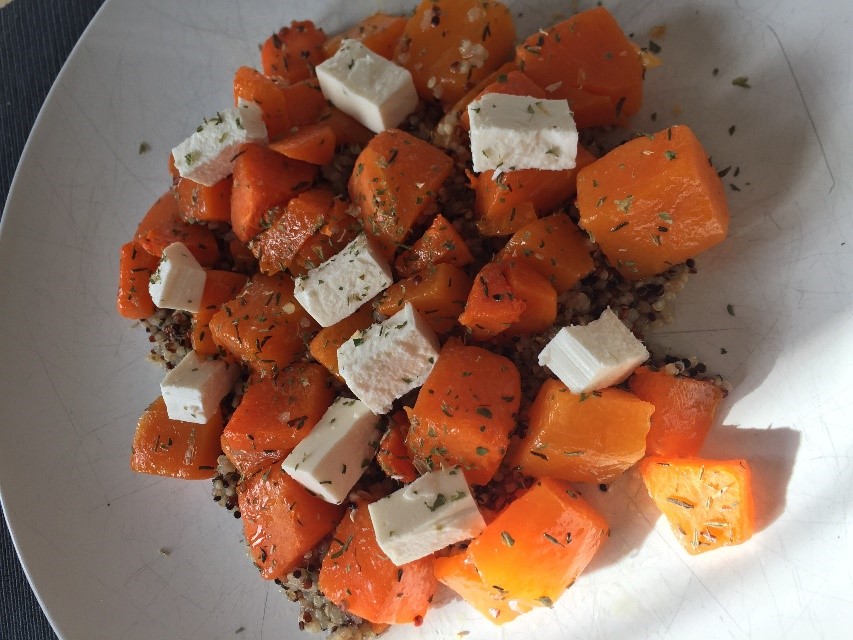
<point>331,459</point>
<point>373,90</point>
<point>344,282</point>
<point>521,132</point>
<point>598,355</point>
<point>195,387</point>
<point>389,359</point>
<point>208,155</point>
<point>434,511</point>
<point>178,282</point>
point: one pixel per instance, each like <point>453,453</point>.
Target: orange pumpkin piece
<point>282,521</point>
<point>440,243</point>
<point>347,129</point>
<point>684,411</point>
<point>538,545</point>
<point>503,206</point>
<point>219,288</point>
<point>275,414</point>
<point>358,577</point>
<point>198,203</point>
<point>197,238</point>
<point>305,102</point>
<point>587,54</point>
<point>653,202</point>
<point>164,210</point>
<point>514,83</point>
<point>492,305</point>
<point>438,293</point>
<point>395,181</point>
<point>312,143</point>
<point>709,503</point>
<point>539,297</point>
<point>451,45</point>
<point>166,447</point>
<point>465,411</point>
<point>379,33</point>
<point>134,269</point>
<point>266,92</point>
<point>264,326</point>
<point>555,247</point>
<point>294,51</point>
<point>591,437</point>
<point>324,346</point>
<point>262,180</point>
<point>339,230</point>
<point>304,216</point>
<point>244,259</point>
<point>393,457</point>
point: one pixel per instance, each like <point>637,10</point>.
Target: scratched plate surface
<point>74,379</point>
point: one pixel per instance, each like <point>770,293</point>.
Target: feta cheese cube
<point>193,389</point>
<point>207,156</point>
<point>522,132</point>
<point>179,280</point>
<point>331,459</point>
<point>344,282</point>
<point>389,359</point>
<point>373,90</point>
<point>601,354</point>
<point>434,511</point>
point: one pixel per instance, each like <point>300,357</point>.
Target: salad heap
<point>400,293</point>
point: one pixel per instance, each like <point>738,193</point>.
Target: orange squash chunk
<point>393,457</point>
<point>324,346</point>
<point>440,243</point>
<point>653,202</point>
<point>244,259</point>
<point>555,247</point>
<point>339,229</point>
<point>219,288</point>
<point>492,305</point>
<point>264,326</point>
<point>347,129</point>
<point>305,102</point>
<point>358,577</point>
<point>590,437</point>
<point>438,293</point>
<point>166,447</point>
<point>275,414</point>
<point>294,51</point>
<point>684,411</point>
<point>282,521</point>
<point>465,411</point>
<point>451,45</point>
<point>312,143</point>
<point>538,545</point>
<point>502,205</point>
<point>586,54</point>
<point>514,83</point>
<point>379,33</point>
<point>164,210</point>
<point>135,268</point>
<point>198,203</point>
<point>262,180</point>
<point>268,94</point>
<point>539,297</point>
<point>709,503</point>
<point>395,181</point>
<point>197,238</point>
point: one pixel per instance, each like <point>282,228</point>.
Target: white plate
<point>73,375</point>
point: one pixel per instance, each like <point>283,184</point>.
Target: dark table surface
<point>36,37</point>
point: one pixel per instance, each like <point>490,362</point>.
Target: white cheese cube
<point>601,354</point>
<point>193,389</point>
<point>389,359</point>
<point>522,132</point>
<point>344,282</point>
<point>331,459</point>
<point>373,90</point>
<point>179,280</point>
<point>434,511</point>
<point>207,156</point>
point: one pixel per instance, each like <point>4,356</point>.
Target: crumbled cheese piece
<point>373,90</point>
<point>598,355</point>
<point>193,390</point>
<point>521,132</point>
<point>208,155</point>
<point>344,282</point>
<point>389,359</point>
<point>331,459</point>
<point>434,511</point>
<point>179,280</point>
